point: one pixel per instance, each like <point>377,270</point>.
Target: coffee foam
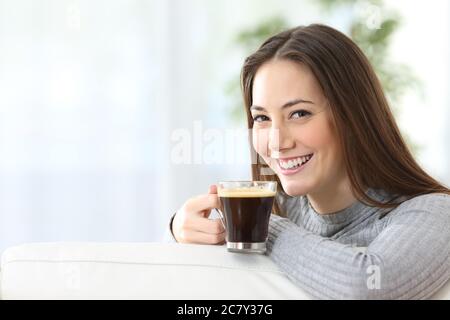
<point>248,192</point>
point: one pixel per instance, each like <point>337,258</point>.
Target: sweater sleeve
<point>409,259</point>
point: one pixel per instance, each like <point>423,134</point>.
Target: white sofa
<point>142,271</point>
<point>139,271</point>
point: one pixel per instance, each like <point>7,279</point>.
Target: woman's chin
<point>294,189</point>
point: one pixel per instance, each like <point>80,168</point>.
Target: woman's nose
<point>280,139</point>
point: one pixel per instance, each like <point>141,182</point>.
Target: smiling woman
<point>361,218</point>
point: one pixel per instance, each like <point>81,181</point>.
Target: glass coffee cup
<point>245,213</point>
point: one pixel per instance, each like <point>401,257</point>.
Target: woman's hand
<point>192,225</point>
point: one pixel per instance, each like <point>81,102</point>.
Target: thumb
<point>212,189</point>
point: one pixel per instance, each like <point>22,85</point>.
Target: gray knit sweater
<point>364,252</point>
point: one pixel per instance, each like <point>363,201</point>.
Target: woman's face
<point>293,129</point>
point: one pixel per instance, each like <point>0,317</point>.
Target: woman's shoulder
<point>428,202</point>
<point>433,207</point>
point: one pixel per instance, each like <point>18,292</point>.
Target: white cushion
<point>139,271</point>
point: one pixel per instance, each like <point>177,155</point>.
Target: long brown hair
<point>374,152</point>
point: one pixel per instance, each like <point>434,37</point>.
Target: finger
<point>191,236</point>
<point>212,226</point>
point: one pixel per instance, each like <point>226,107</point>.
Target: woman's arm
<point>410,258</point>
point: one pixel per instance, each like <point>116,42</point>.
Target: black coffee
<point>246,214</point>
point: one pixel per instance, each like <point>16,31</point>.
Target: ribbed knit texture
<point>364,252</point>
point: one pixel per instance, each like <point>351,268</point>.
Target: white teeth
<point>294,162</point>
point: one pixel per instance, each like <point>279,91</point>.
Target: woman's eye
<point>260,118</point>
<point>299,114</point>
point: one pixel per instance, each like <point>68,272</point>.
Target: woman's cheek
<point>260,138</point>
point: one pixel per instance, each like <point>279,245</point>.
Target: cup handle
<point>222,219</point>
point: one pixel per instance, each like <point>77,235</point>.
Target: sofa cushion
<point>139,271</point>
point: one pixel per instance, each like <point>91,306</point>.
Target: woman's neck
<point>333,199</point>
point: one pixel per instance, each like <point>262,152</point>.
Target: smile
<point>293,165</point>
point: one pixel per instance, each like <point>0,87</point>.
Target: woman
<point>356,217</point>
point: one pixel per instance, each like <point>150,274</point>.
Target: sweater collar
<point>344,216</point>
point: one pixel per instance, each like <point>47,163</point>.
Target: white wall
<point>82,85</point>
<point>423,43</point>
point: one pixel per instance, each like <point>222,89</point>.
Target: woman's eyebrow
<point>286,105</point>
